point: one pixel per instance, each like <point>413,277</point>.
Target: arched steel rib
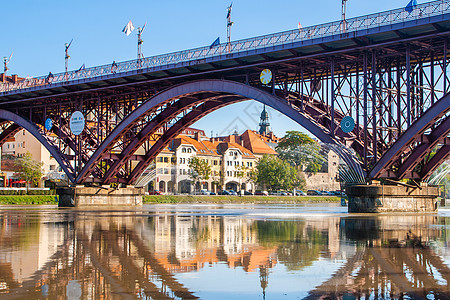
<point>149,129</point>
<point>9,132</point>
<point>221,86</point>
<point>430,117</point>
<point>430,141</point>
<point>34,130</point>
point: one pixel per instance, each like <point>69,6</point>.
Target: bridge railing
<point>196,55</point>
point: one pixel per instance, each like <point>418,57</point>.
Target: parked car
<point>232,192</point>
<point>247,193</point>
<point>205,192</point>
<point>326,193</point>
<point>224,192</point>
<point>278,193</point>
<point>313,193</point>
<point>155,193</point>
<point>261,193</point>
<point>300,193</point>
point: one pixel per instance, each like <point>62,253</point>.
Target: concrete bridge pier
<point>377,198</point>
<point>81,196</point>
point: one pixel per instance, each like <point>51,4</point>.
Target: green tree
<point>28,169</point>
<point>275,174</point>
<point>301,151</point>
<point>200,170</point>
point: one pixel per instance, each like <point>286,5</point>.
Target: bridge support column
<point>376,198</point>
<point>81,196</point>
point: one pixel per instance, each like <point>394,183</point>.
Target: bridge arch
<point>19,121</point>
<point>240,91</point>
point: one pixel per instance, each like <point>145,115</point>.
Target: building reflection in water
<point>107,255</point>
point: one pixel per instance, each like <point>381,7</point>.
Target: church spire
<point>264,122</point>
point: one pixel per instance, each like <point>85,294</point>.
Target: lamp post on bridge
<point>67,46</point>
<point>6,62</point>
<point>344,22</point>
<point>229,24</point>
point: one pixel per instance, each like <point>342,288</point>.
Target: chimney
<point>14,78</point>
<point>232,138</point>
<point>197,136</point>
<point>2,77</point>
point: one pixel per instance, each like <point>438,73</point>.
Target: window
<point>23,132</point>
<point>189,150</point>
<point>166,171</point>
<point>160,159</point>
<point>183,150</point>
<point>181,172</point>
<point>181,160</point>
<point>52,167</point>
<point>166,159</point>
<point>215,162</point>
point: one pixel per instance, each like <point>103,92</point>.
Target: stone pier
<point>376,198</point>
<point>80,196</point>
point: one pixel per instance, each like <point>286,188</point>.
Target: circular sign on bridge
<point>265,76</point>
<point>347,124</point>
<point>48,124</point>
<point>77,122</point>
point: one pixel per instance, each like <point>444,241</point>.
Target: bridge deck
<point>386,29</point>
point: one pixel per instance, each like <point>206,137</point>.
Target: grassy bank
<point>27,199</point>
<point>236,199</point>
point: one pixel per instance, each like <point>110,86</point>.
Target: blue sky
<point>36,31</point>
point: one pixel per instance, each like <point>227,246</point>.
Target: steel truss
<point>387,88</point>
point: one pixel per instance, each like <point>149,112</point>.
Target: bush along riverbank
<point>148,199</point>
<point>28,199</point>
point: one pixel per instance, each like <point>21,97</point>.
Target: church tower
<point>264,122</point>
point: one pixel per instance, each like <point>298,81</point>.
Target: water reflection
<point>227,254</point>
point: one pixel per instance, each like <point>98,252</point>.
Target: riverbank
<point>148,199</point>
<point>27,199</point>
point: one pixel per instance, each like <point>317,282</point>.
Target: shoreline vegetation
<point>185,199</point>
<point>149,199</point>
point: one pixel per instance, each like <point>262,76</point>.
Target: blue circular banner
<point>347,124</point>
<point>48,124</point>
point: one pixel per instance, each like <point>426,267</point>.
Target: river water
<point>222,252</point>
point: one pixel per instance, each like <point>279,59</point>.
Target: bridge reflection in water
<point>167,255</point>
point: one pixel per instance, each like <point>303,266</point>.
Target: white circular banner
<point>77,122</point>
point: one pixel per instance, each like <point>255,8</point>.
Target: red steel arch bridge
<point>387,71</point>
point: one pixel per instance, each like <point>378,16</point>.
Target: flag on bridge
<point>411,5</point>
<point>215,43</point>
<point>128,28</point>
<point>81,68</point>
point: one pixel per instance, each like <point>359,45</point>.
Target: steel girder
<point>404,156</point>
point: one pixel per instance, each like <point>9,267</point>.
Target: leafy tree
<point>294,138</point>
<point>276,174</point>
<point>200,170</point>
<point>301,151</point>
<point>28,169</point>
